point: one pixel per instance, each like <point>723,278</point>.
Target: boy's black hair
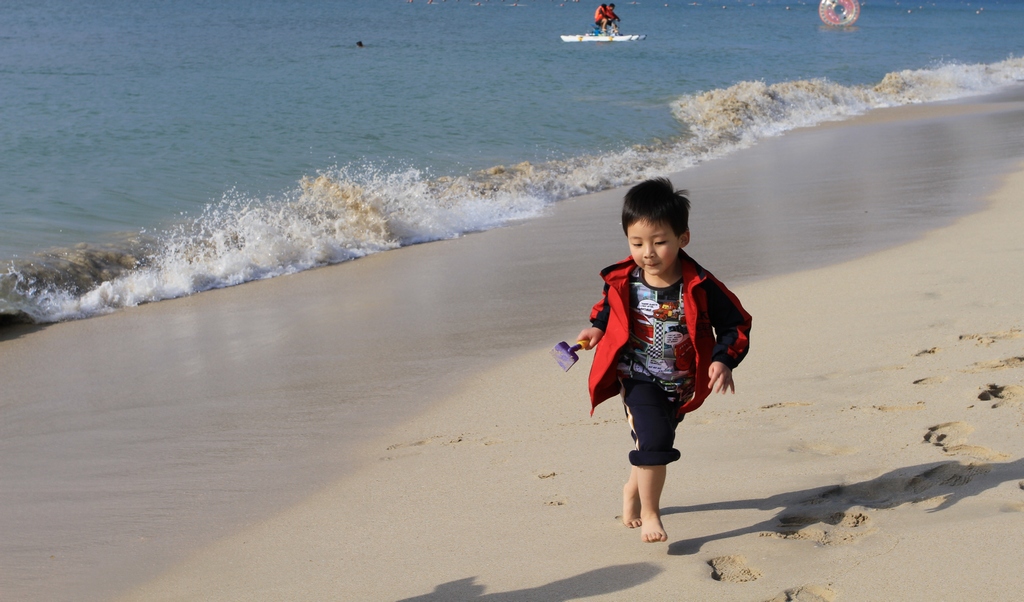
<point>657,202</point>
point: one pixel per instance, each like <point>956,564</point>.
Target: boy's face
<point>655,248</point>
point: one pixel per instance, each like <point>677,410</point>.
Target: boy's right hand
<point>589,337</point>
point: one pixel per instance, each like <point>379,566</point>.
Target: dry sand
<point>873,450</point>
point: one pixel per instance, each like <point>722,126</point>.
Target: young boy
<point>655,344</point>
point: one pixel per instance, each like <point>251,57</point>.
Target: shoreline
<point>250,399</point>
<point>85,259</point>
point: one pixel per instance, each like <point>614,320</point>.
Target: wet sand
<point>308,436</point>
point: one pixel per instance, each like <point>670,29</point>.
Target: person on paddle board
<point>611,18</point>
<point>599,14</point>
<point>604,16</point>
<point>599,18</point>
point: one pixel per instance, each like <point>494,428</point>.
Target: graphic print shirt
<point>659,349</point>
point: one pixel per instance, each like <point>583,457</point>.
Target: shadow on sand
<point>833,508</point>
<point>12,329</point>
<point>592,583</point>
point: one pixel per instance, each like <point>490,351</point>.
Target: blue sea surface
<point>155,149</point>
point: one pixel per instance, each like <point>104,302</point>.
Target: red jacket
<point>707,305</point>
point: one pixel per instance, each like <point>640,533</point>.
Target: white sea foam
<point>338,215</point>
<point>348,212</point>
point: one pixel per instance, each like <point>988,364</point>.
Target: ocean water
<point>150,150</point>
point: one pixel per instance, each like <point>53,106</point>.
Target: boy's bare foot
<point>652,530</point>
<point>631,508</point>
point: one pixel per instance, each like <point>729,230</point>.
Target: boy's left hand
<point>720,378</point>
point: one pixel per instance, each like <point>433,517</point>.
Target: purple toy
<point>566,355</point>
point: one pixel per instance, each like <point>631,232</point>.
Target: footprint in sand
<point>950,475</point>
<point>836,528</point>
<point>911,408</point>
<point>976,451</point>
<point>786,404</point>
<point>558,500</point>
<point>952,438</point>
<point>885,493</point>
<point>931,351</point>
<point>413,444</point>
<point>409,448</point>
<point>840,514</point>
<point>733,569</point>
<point>806,593</point>
<point>1010,362</point>
<point>1006,394</point>
<point>991,337</point>
<point>931,380</point>
<point>948,433</point>
<point>464,438</point>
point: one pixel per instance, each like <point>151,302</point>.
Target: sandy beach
<point>393,428</point>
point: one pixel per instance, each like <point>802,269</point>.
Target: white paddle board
<point>589,37</point>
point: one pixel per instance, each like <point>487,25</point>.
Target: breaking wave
<point>349,212</point>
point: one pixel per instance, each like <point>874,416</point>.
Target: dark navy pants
<point>652,415</point>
